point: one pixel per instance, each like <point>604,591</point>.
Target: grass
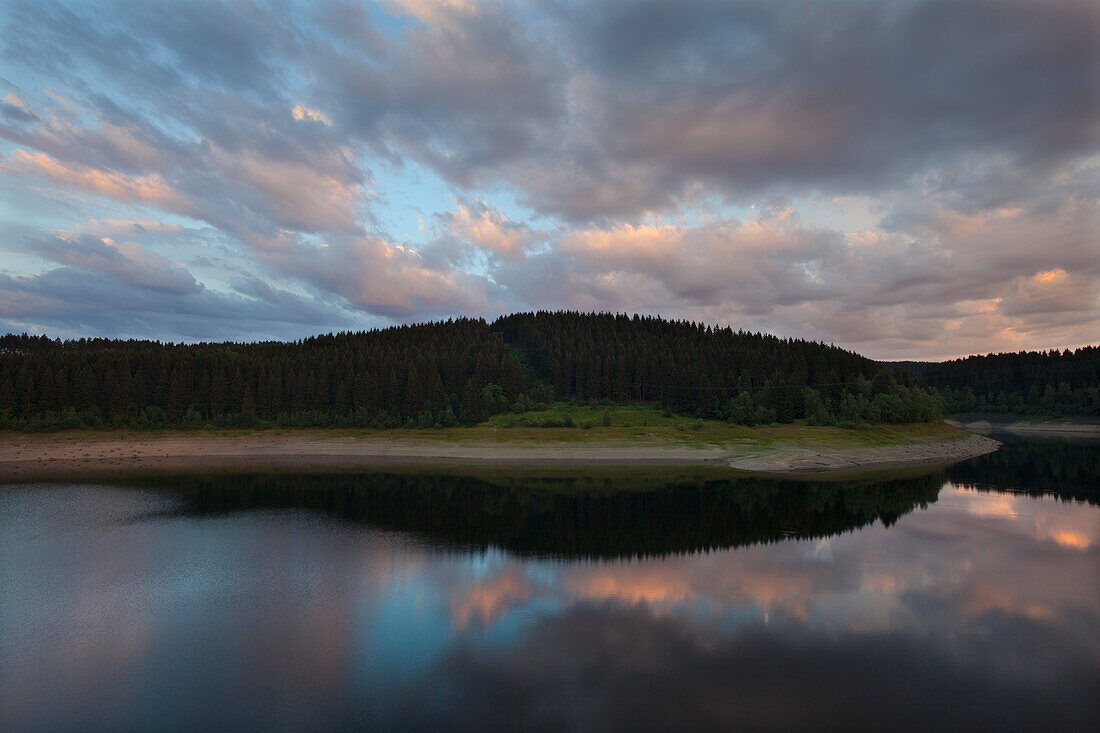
<point>619,416</point>
<point>628,424</point>
<point>640,422</point>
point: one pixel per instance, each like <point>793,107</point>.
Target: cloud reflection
<point>977,552</point>
<point>984,602</point>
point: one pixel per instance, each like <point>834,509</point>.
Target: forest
<point>449,373</point>
<point>1028,383</point>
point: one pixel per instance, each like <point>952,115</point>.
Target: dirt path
<point>25,458</point>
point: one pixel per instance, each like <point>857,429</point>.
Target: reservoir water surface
<point>965,598</point>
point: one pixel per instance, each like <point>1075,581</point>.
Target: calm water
<point>968,598</point>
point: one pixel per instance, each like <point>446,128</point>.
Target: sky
<point>911,179</point>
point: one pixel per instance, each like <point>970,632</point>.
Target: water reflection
<point>1067,469</point>
<point>295,602</point>
<point>585,517</point>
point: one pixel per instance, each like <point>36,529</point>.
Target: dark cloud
<point>126,261</point>
<point>853,96</point>
<point>465,90</point>
<point>16,113</point>
<point>74,302</point>
<point>238,46</point>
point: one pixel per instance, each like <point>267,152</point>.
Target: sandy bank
<point>28,458</point>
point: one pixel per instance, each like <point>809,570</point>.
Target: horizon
<point>490,321</point>
<point>911,180</point>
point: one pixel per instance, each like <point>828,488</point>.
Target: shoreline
<point>29,458</point>
<point>1053,427</point>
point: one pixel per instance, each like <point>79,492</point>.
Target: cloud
<point>665,156</point>
<point>74,302</point>
<point>464,90</point>
<point>383,279</point>
<point>767,261</point>
<point>943,284</point>
<point>130,226</point>
<point>750,97</point>
<point>604,109</point>
<point>302,113</point>
<point>110,184</point>
<point>478,225</point>
<point>15,109</point>
<point>292,194</point>
<point>101,281</point>
<point>126,261</point>
<point>435,11</point>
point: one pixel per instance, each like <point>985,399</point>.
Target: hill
<point>449,373</point>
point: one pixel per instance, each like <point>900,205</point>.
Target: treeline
<point>1028,383</point>
<point>711,372</point>
<point>448,373</point>
<point>423,375</point>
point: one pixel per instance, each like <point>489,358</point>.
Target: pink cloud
<point>487,228</point>
<point>150,188</point>
<point>299,195</point>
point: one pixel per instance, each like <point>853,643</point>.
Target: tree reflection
<point>582,517</point>
<point>1069,470</point>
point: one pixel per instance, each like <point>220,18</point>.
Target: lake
<point>965,598</point>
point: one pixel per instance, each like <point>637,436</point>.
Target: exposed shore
<point>1080,428</point>
<point>41,457</point>
<point>798,460</point>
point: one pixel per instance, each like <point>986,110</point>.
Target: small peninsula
<point>790,450</point>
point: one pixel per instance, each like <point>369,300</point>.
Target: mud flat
<point>42,457</point>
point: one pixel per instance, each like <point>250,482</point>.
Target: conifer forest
<point>459,372</point>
